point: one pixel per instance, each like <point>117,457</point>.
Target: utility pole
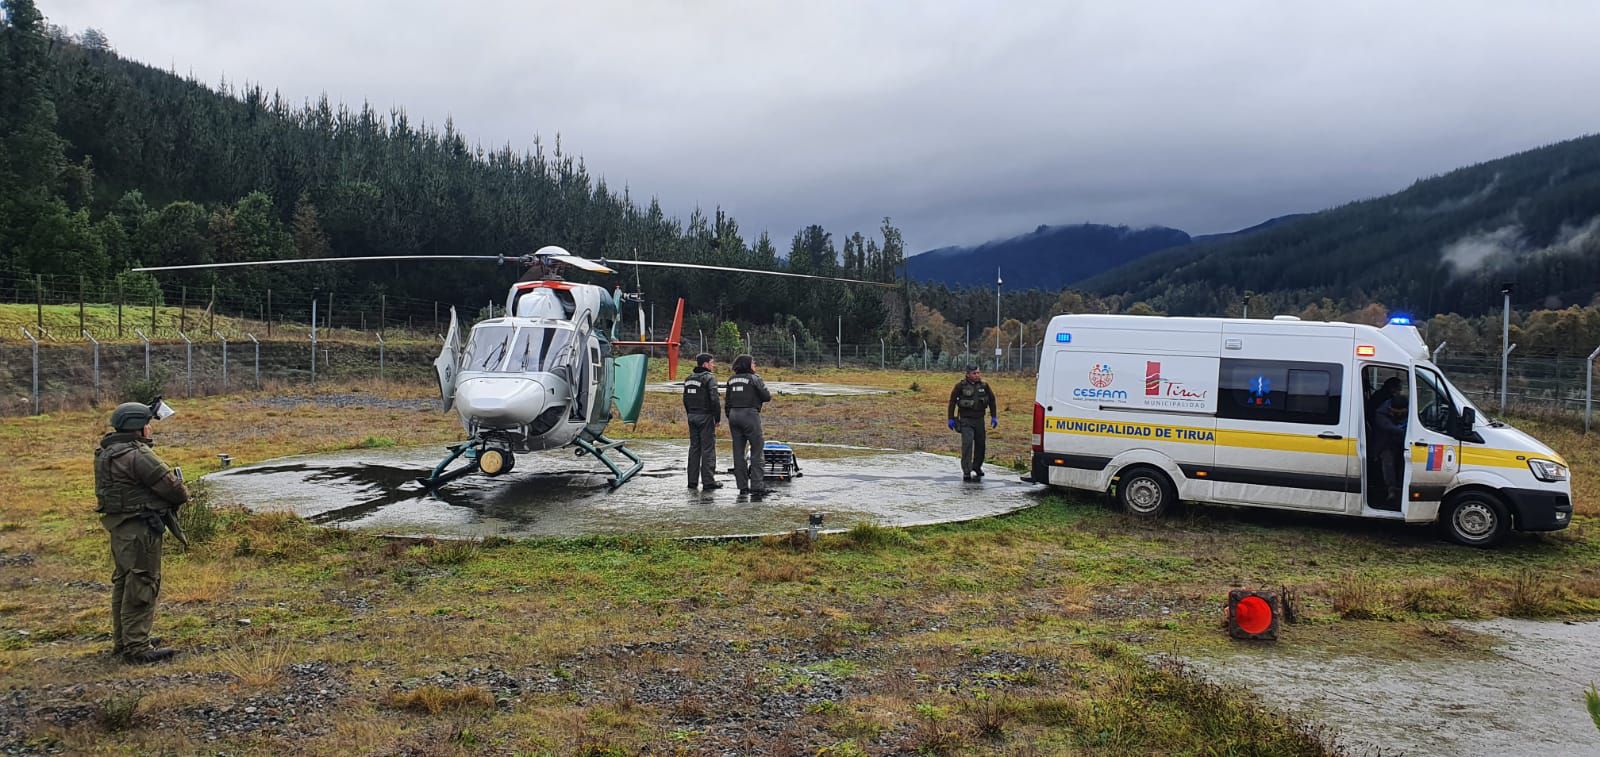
<point>997,282</point>
<point>1505,341</point>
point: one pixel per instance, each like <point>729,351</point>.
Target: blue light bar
<point>1064,337</point>
<point>1400,320</point>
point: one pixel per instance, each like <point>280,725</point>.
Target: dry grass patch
<point>774,569</point>
<point>437,700</point>
<point>195,582</point>
<point>1357,599</point>
<point>256,667</point>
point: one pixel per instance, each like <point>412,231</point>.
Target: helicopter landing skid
<point>439,478</point>
<point>598,445</point>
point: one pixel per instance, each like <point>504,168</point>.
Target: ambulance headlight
<point>1547,470</point>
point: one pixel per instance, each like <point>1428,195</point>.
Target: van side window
<point>1282,391</point>
<point>1434,407</point>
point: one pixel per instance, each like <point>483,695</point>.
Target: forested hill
<point>1050,257</point>
<point>107,163</point>
<point>1443,245</point>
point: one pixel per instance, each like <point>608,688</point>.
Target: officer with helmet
<point>138,494</point>
<point>704,409</point>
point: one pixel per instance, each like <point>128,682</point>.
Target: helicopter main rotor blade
<point>576,262</point>
<point>290,261</point>
<point>661,264</point>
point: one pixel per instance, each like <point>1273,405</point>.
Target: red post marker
<point>1252,614</point>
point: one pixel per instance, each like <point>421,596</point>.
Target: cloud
<point>1507,247</point>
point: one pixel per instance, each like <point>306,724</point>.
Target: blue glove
<point>994,422</point>
<point>951,423</point>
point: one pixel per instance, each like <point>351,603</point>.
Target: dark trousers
<point>1391,463</point>
<point>702,449</point>
<point>974,443</point>
<point>136,581</point>
<point>744,425</point>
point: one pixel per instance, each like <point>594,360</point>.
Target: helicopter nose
<point>498,402</point>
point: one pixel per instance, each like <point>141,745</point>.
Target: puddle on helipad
<point>1524,697</point>
<point>790,387</point>
<point>557,494</point>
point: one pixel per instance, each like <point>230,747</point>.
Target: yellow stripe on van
<point>1193,435</point>
<point>1502,458</point>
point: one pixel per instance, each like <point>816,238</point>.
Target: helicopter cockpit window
<point>539,348</point>
<point>487,348</point>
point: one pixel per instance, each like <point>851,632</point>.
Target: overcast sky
<point>962,121</point>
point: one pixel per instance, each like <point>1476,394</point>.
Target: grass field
<point>1044,632</point>
<point>61,324</point>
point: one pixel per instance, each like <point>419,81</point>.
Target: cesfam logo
<point>1100,376</point>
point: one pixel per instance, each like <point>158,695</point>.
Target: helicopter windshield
<point>486,351</point>
<point>539,348</point>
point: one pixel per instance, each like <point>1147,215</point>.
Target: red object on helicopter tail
<point>674,340</point>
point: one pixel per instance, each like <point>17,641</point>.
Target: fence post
<point>119,307</point>
<point>1588,392</point>
<point>96,343</point>
<point>1504,360</point>
<point>146,341</point>
<point>224,339</point>
<point>35,368</point>
<point>794,351</point>
<point>313,341</point>
<point>188,365</point>
<point>38,298</point>
<point>883,354</point>
<point>258,359</point>
<point>380,356</point>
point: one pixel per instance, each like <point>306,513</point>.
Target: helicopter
<point>545,375</point>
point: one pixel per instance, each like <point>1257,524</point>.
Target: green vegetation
<point>189,173</point>
<point>1442,245</point>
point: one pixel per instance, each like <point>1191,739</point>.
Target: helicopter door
<point>627,388</point>
<point>448,364</point>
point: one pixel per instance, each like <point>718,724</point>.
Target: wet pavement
<point>557,494</point>
<point>790,387</point>
<point>1524,698</point>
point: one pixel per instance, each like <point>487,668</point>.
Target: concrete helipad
<point>790,387</point>
<point>558,494</point>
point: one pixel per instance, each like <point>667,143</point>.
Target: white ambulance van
<point>1283,413</point>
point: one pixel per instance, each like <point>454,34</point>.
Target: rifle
<point>169,518</point>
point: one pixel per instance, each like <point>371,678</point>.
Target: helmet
<point>131,416</point>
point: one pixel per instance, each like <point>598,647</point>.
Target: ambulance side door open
<point>1435,455</point>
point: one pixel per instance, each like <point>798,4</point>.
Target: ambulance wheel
<point>1146,492</point>
<point>1476,519</point>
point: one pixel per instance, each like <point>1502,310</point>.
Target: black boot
<point>149,655</point>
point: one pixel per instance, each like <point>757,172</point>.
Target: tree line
<point>106,164</point>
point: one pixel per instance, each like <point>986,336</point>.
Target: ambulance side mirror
<point>1463,426</point>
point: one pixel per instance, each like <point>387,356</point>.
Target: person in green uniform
<point>968,401</point>
<point>135,489</point>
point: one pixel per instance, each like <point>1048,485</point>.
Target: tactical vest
<point>972,396</point>
<point>742,392</point>
<point>114,491</point>
<point>697,392</point>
